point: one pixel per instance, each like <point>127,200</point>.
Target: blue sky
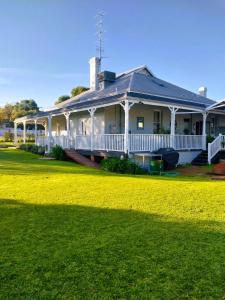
<point>45,45</point>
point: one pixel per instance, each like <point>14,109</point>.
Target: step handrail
<point>215,147</point>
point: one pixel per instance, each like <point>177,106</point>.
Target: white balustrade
<point>108,142</point>
<point>188,142</point>
<point>217,145</point>
<point>148,142</point>
<point>83,142</point>
<point>42,140</point>
<point>137,142</point>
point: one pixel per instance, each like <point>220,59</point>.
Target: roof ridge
<point>131,70</point>
<point>130,82</point>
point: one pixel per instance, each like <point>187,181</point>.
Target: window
<point>140,123</point>
<point>187,126</point>
<point>83,127</point>
<point>156,121</point>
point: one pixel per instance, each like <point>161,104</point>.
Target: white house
<point>132,112</point>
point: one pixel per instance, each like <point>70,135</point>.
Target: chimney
<point>94,70</point>
<point>106,78</point>
<point>202,91</point>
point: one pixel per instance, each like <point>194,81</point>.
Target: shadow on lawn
<point>24,163</point>
<point>76,252</point>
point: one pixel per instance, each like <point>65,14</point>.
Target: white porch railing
<point>42,141</point>
<point>148,142</point>
<point>115,142</point>
<point>188,142</point>
<point>60,140</point>
<point>217,145</point>
<point>108,142</point>
<point>83,142</point>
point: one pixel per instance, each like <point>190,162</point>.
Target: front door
<point>198,128</point>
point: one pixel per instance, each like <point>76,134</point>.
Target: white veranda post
<point>92,114</point>
<point>46,128</point>
<point>49,132</point>
<point>204,115</point>
<point>173,126</point>
<point>35,131</point>
<point>67,116</point>
<point>24,132</point>
<point>126,106</point>
<point>15,133</point>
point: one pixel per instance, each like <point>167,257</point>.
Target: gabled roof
<point>139,83</point>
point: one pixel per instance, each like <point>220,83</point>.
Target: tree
<point>62,99</point>
<point>78,90</point>
<point>6,113</point>
<point>25,107</point>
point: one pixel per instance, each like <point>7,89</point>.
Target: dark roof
<point>139,82</point>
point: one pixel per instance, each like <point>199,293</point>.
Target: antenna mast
<point>100,32</point>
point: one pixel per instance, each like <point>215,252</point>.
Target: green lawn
<point>70,232</point>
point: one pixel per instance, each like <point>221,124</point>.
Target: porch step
<point>80,159</point>
<point>201,159</point>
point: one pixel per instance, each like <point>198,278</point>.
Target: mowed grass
<point>70,232</point>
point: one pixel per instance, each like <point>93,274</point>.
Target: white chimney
<point>94,70</point>
<point>202,91</point>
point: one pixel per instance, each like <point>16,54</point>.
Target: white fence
<point>217,145</point>
<point>115,142</point>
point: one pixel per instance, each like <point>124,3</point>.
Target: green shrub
<point>58,153</point>
<point>30,137</point>
<point>123,166</point>
<point>33,148</point>
<point>210,139</point>
<point>8,136</point>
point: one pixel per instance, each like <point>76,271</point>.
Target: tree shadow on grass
<point>77,252</point>
<point>24,163</point>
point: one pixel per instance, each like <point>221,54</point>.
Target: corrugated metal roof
<point>138,82</point>
<point>158,87</point>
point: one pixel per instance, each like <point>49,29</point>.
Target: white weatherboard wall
<point>147,111</point>
<point>79,118</point>
<point>59,125</point>
<point>114,119</point>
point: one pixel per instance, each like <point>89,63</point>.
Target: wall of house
<point>59,125</point>
<point>220,124</point>
<point>114,119</point>
<point>147,112</point>
<point>80,123</point>
<point>215,124</point>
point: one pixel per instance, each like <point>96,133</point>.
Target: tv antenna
<point>100,33</point>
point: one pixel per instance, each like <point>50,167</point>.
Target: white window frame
<point>160,120</point>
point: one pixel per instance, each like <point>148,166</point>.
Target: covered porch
<point>127,126</point>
